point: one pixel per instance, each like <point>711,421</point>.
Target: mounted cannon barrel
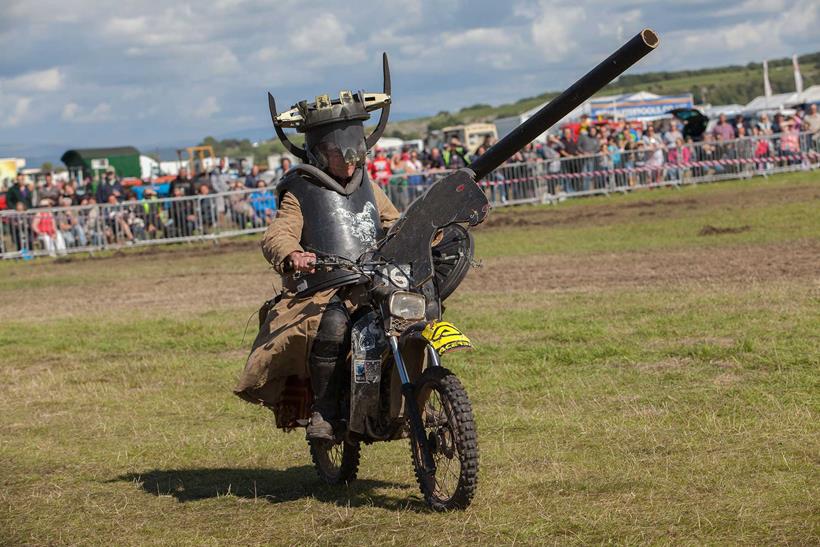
<point>456,200</point>
<point>594,80</point>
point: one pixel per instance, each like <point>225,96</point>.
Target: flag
<point>767,87</point>
<point>798,78</point>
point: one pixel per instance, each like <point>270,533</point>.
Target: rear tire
<point>448,422</point>
<point>336,463</point>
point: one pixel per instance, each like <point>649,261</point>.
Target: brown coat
<point>276,373</point>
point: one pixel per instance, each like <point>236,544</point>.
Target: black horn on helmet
<point>334,126</point>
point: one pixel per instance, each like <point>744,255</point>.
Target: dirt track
<point>199,289</point>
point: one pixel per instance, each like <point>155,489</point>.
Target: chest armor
<point>335,224</point>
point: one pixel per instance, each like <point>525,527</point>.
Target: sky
<point>160,72</point>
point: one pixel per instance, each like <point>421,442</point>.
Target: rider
<point>327,206</point>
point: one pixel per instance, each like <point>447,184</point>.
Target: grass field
<point>647,370</point>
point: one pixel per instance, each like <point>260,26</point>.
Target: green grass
<point>688,209</point>
<point>678,412</point>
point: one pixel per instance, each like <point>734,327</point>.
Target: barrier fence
<point>61,230</point>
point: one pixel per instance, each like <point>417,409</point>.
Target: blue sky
<point>146,72</point>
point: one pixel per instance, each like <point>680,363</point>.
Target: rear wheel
<point>450,431</point>
<point>336,463</point>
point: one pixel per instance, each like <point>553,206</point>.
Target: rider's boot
<point>324,398</point>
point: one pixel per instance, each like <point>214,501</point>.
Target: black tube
<point>592,82</point>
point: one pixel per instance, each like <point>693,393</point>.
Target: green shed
<point>90,162</point>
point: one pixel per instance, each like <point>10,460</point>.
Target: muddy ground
<point>242,280</point>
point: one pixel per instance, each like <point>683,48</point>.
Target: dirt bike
<point>397,385</point>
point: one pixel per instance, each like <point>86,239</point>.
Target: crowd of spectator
<point>585,156</point>
<point>589,154</point>
<point>78,214</point>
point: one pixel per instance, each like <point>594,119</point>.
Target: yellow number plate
<point>445,336</point>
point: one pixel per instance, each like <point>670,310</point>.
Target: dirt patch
<point>797,260</point>
<point>710,230</point>
<point>660,203</point>
<point>164,292</point>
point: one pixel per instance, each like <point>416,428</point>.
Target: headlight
<point>407,305</point>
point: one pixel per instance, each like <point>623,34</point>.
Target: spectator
<point>19,193</point>
<point>242,213</point>
<point>70,193</point>
<point>654,153</point>
<point>150,212</point>
<point>20,228</point>
<point>380,168</point>
<point>207,207</point>
<point>723,130</point>
<point>588,146</point>
<point>284,167</point>
<point>764,125</point>
<point>762,149</point>
<point>184,182</point>
<point>671,137</point>
<point>181,218</point>
<point>454,156</point>
<point>252,178</point>
<point>83,188</point>
<point>109,186</point>
<point>679,158</point>
<point>434,160</point>
<point>46,231</point>
<point>790,141</point>
<point>569,146</point>
<point>49,190</point>
<point>398,182</point>
<point>220,183</point>
<point>264,205</point>
<point>69,225</point>
<point>115,219</point>
<point>777,125</point>
<point>811,124</point>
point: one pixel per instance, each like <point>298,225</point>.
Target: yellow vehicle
<point>197,158</point>
<point>471,135</point>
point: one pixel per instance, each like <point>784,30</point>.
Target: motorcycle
<point>397,386</point>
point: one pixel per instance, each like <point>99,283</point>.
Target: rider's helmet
<point>334,128</point>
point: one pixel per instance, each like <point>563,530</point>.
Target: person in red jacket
<point>46,230</point>
<point>380,171</point>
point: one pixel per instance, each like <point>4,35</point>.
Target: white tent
<point>809,95</point>
<point>775,102</point>
<point>728,109</point>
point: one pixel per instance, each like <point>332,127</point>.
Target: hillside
<point>720,85</point>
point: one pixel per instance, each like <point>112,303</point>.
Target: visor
<point>343,141</point>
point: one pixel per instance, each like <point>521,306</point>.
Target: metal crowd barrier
<point>58,231</point>
<point>61,230</point>
<point>549,180</point>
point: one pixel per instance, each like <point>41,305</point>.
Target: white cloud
<point>72,112</point>
<point>207,108</point>
<point>557,28</point>
<point>20,112</point>
<point>198,71</point>
<point>42,80</point>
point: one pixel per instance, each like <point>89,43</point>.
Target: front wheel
<point>449,427</point>
<point>336,463</point>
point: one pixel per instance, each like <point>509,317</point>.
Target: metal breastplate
<point>335,224</point>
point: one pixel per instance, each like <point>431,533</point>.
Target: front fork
<point>413,413</point>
